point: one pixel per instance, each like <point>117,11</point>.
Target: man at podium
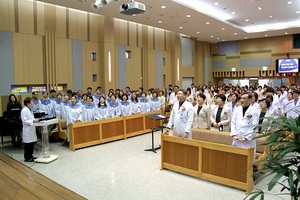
<point>29,133</point>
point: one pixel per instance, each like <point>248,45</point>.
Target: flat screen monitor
<point>287,65</point>
<point>39,89</point>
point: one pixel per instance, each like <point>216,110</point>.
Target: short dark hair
<point>267,101</point>
<point>201,95</point>
<point>89,88</point>
<point>27,100</point>
<point>270,89</point>
<point>51,91</point>
<point>222,96</point>
<point>270,97</point>
<point>249,95</point>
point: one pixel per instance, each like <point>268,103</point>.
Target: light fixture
<point>101,3</point>
<point>222,29</point>
<point>188,16</point>
<point>216,4</point>
<point>207,23</point>
<point>163,7</point>
<point>289,2</point>
<point>109,67</point>
<point>233,13</point>
<point>246,20</point>
<point>235,33</point>
<point>198,32</point>
<point>259,8</point>
<point>180,27</point>
<point>177,69</point>
<point>159,22</point>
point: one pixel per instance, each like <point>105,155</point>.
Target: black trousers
<point>28,150</point>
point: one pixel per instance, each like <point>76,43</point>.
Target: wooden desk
<point>20,182</point>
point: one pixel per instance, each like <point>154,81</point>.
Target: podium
<point>155,117</point>
<point>45,127</point>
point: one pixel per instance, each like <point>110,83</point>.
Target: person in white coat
<point>29,132</point>
<point>244,122</point>
<point>182,117</point>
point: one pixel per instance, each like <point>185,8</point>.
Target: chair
<point>62,129</point>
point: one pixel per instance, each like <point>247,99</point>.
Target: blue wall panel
<point>7,74</point>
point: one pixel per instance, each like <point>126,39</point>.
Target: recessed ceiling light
<point>266,35</point>
<point>207,23</point>
<point>180,27</point>
<point>211,36</point>
<point>224,40</point>
<point>134,15</point>
<point>163,7</point>
<point>217,3</point>
<point>160,22</point>
<point>270,16</point>
<point>246,37</point>
<point>235,33</point>
<point>297,12</point>
<point>289,2</point>
<point>198,32</point>
<point>222,29</point>
<point>188,15</point>
<point>218,38</point>
<point>259,8</point>
<point>246,20</point>
<point>286,33</point>
<point>233,13</point>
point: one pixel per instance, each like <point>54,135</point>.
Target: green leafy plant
<point>282,163</point>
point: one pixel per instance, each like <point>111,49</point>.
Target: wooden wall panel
<point>121,32</point>
<point>11,14</point>
<point>40,18</point>
<point>252,72</point>
<point>150,37</point>
<point>132,29</point>
<point>95,27</point>
<point>159,36</point>
<point>4,15</point>
<point>26,21</point>
<point>187,72</point>
<point>18,58</point>
<point>81,28</point>
<point>61,22</point>
<point>170,41</point>
<point>151,68</point>
<point>64,61</point>
<point>108,29</point>
<point>255,45</point>
<point>282,44</point>
<point>35,60</point>
<point>140,35</point>
<point>86,63</point>
<point>72,24</point>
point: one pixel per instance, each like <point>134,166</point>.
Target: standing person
<point>173,96</point>
<point>89,110</point>
<point>221,115</point>
<point>13,103</point>
<point>29,133</point>
<point>102,109</point>
<point>182,117</point>
<point>125,106</point>
<point>201,113</point>
<point>35,98</point>
<point>154,102</point>
<point>144,103</point>
<point>244,122</point>
<point>162,100</point>
<point>134,103</point>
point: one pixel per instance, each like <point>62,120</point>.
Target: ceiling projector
<point>132,8</point>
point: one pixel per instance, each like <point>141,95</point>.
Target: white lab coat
<point>29,133</point>
<point>182,119</point>
<point>244,126</point>
<point>292,109</point>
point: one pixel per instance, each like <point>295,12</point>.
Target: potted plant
<point>282,163</point>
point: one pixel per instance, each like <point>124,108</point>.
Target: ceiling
<point>208,20</point>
